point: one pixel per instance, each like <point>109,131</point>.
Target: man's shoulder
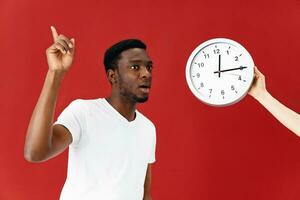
<point>146,120</point>
<point>85,102</point>
<point>83,105</point>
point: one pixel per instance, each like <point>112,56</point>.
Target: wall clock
<point>219,72</point>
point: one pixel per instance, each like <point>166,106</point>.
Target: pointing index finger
<point>54,33</point>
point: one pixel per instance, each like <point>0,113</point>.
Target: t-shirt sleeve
<point>153,146</point>
<point>72,117</point>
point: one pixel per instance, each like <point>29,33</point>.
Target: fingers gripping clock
<point>219,72</point>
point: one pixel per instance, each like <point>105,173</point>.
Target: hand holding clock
<point>283,114</point>
<point>258,87</point>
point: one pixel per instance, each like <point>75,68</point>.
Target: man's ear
<point>112,76</point>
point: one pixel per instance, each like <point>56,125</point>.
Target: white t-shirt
<point>109,155</point>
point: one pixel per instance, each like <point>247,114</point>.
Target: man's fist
<point>60,54</point>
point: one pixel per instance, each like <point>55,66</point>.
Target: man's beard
<point>141,99</point>
<point>130,96</point>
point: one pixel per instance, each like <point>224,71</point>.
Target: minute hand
<point>226,70</point>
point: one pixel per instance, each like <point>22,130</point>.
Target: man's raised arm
<point>43,140</point>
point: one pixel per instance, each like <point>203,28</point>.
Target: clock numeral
<point>197,75</point>
<point>200,64</point>
<point>236,58</point>
<point>210,91</point>
<point>201,84</point>
<point>240,78</point>
<point>222,93</point>
<point>227,52</point>
<point>206,56</point>
<point>233,89</point>
<point>216,51</point>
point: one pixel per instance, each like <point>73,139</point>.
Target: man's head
<point>129,70</point>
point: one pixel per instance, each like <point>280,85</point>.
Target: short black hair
<point>112,54</point>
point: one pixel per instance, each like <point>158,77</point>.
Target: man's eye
<point>149,68</point>
<point>135,67</point>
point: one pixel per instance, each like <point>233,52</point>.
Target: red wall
<point>237,152</point>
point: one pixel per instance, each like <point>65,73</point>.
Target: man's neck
<point>124,107</point>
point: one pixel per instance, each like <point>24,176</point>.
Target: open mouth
<point>145,88</point>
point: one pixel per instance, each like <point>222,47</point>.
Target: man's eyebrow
<point>140,61</point>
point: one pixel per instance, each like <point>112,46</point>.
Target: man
<point>111,144</point>
<point>286,116</point>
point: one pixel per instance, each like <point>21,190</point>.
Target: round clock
<point>219,72</point>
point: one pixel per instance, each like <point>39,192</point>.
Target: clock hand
<point>232,74</point>
<point>226,70</point>
<point>219,65</point>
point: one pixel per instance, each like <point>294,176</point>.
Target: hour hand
<point>232,69</point>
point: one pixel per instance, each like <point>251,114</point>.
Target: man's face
<point>134,75</point>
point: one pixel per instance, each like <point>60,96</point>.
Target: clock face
<point>220,72</point>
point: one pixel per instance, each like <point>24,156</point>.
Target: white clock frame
<point>240,56</point>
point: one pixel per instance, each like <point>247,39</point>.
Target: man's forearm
<point>286,116</point>
<point>147,197</point>
<point>39,132</point>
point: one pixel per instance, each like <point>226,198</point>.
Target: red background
<point>237,152</point>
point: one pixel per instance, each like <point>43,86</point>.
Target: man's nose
<point>145,72</point>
